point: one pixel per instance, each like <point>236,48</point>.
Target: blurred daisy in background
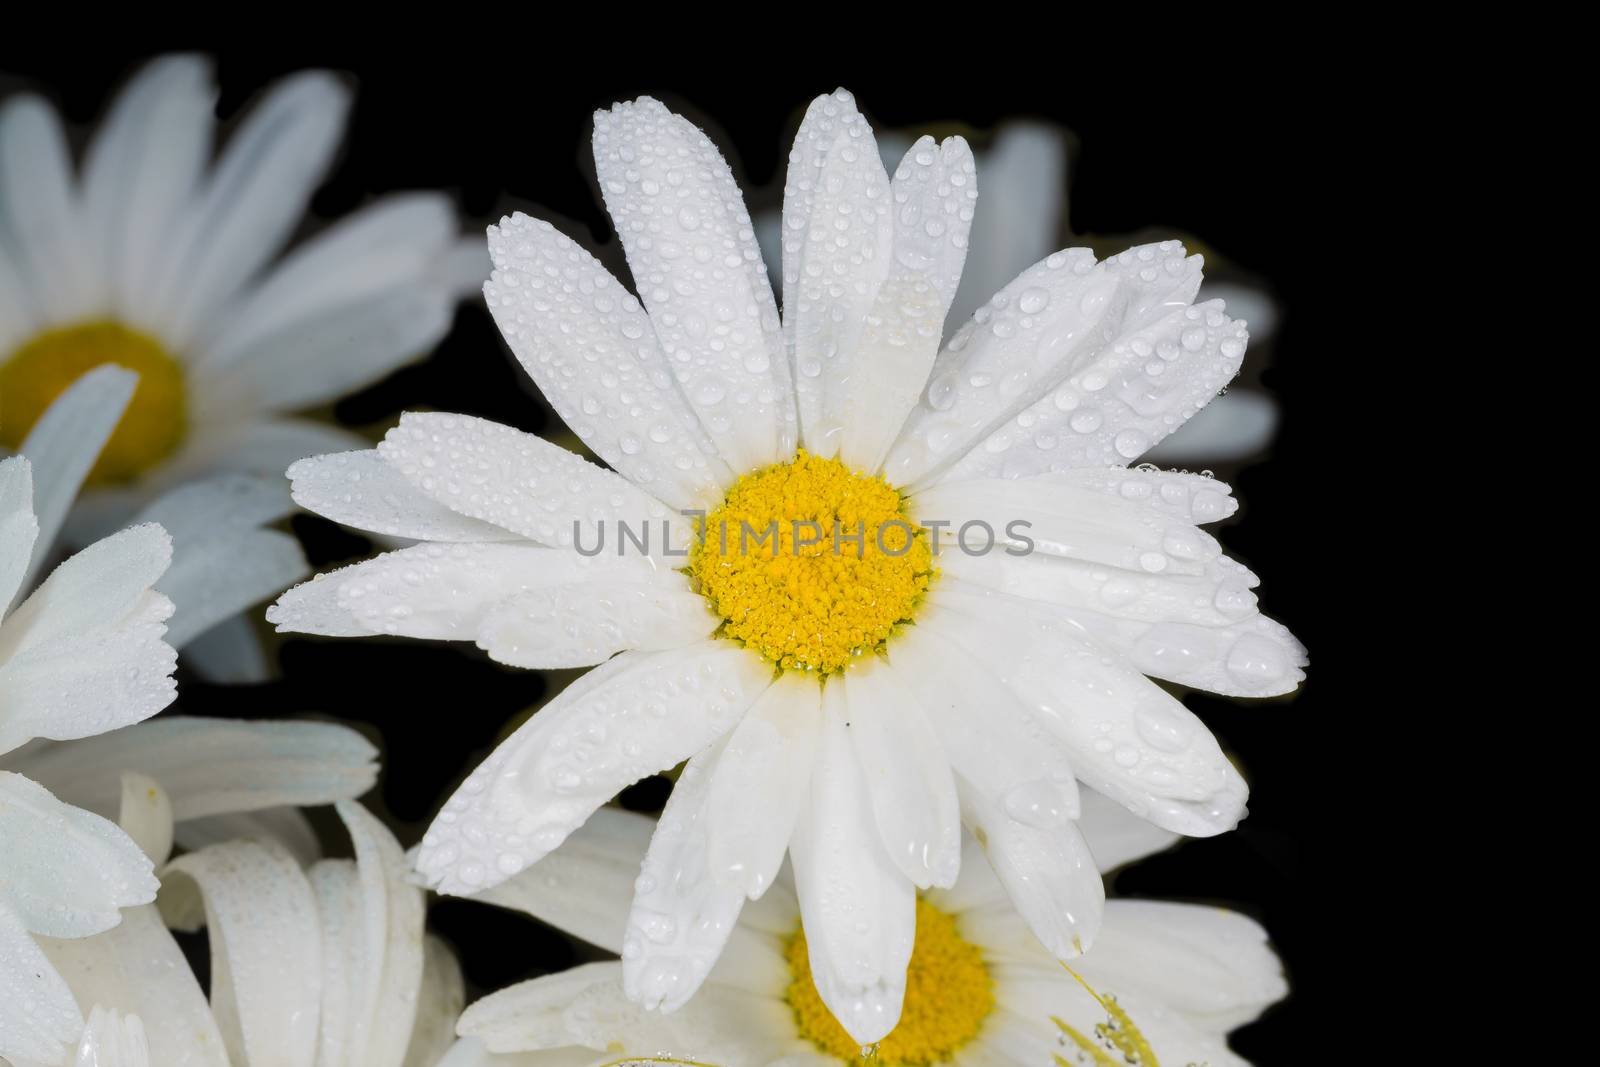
<point>225,558</point>
<point>83,659</point>
<point>1020,219</point>
<point>152,255</point>
<point>981,989</point>
<point>1024,674</point>
<point>318,964</point>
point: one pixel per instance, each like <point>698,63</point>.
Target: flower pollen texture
<point>810,564</point>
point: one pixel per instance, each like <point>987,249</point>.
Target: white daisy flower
<point>973,685</point>
<point>1022,214</point>
<point>82,657</point>
<point>980,988</point>
<point>157,259</point>
<point>224,559</point>
<point>326,965</point>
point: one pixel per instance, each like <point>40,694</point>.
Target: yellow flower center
<point>810,564</point>
<point>151,429</point>
<point>948,995</point>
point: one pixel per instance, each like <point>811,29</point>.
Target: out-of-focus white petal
<point>858,909</point>
<point>1115,835</point>
<point>266,952</point>
<point>590,348</point>
<point>64,444</point>
<point>387,245</point>
<point>907,774</point>
<point>440,998</point>
<point>39,211</point>
<point>286,825</point>
<point>760,784</point>
<point>67,871</point>
<point>1236,425</point>
<point>140,174</point>
<point>146,816</point>
<point>632,716</point>
<point>252,200</point>
<point>113,1039</point>
<point>212,766</point>
<point>523,483</point>
<point>361,489</point>
<point>698,270</point>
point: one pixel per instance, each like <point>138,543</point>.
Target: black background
<point>1211,161</point>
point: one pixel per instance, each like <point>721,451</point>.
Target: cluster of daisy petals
<point>904,766</point>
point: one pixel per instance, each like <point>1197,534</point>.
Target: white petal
<point>81,684</point>
<point>1137,391</point>
<point>1126,737</point>
<point>266,953</point>
<point>698,270</point>
<point>580,625</point>
<point>64,444</point>
<point>447,591</point>
<point>217,578</point>
<point>989,737</point>
<point>760,785</point>
<point>288,826</point>
<point>681,916</point>
<point>584,887</point>
<point>1030,334</point>
<point>523,483</point>
<point>1024,192</point>
<point>380,950</point>
<point>1050,515</point>
<point>1213,965</point>
<point>18,527</point>
<point>141,172</point>
<point>1115,835</point>
<point>470,1052</point>
<point>440,998</point>
<point>934,191</point>
<point>18,317</point>
<point>253,199</point>
<point>858,909</point>
<point>113,1040</point>
<point>38,1016</point>
<point>385,246</point>
<point>836,241</point>
<point>259,446</point>
<point>137,967</point>
<point>1236,425</point>
<point>907,774</point>
<point>320,358</point>
<point>146,815</point>
<point>39,212</point>
<point>1047,871</point>
<point>212,766</point>
<point>592,351</point>
<point>632,716</point>
<point>360,489</point>
<point>67,871</point>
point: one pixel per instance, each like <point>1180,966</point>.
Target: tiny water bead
<point>812,565</point>
<point>949,994</point>
<point>151,429</point>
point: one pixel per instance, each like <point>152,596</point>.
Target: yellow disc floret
<point>948,995</point>
<point>41,370</point>
<point>810,564</point>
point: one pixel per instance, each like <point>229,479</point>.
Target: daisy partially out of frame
<point>981,989</point>
<point>958,592</point>
<point>153,255</point>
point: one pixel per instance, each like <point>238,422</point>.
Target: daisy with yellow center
<point>149,255</point>
<point>979,989</point>
<point>871,584</point>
